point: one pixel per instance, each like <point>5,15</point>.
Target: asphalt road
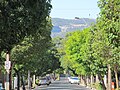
<point>61,84</point>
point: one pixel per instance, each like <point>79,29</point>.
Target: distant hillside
<point>62,26</point>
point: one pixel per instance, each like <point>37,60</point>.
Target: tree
<point>75,54</point>
<point>110,21</point>
<point>19,19</point>
<point>101,52</point>
<point>86,52</point>
<point>31,51</point>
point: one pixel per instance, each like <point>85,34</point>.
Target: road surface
<point>61,84</point>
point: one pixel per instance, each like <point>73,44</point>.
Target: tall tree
<point>110,19</point>
<point>30,54</point>
<point>21,18</point>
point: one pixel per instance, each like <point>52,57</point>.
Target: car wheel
<point>39,84</point>
<point>47,84</point>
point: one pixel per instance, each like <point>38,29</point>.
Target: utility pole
<point>7,67</point>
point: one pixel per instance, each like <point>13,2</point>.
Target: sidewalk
<point>26,87</point>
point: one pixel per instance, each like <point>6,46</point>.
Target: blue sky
<point>69,9</point>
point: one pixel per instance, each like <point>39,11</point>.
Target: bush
<point>97,86</point>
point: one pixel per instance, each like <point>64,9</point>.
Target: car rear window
<point>42,78</point>
<point>75,78</point>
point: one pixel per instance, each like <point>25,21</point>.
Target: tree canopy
<point>21,18</point>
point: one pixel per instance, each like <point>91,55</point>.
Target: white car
<point>74,80</point>
<point>68,79</point>
<point>0,86</point>
<point>44,81</point>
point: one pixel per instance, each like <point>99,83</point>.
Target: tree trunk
<point>23,84</point>
<point>87,80</point>
<point>81,79</point>
<point>102,81</point>
<point>97,80</point>
<point>109,78</point>
<point>73,71</point>
<point>29,81</point>
<point>18,79</point>
<point>91,80</point>
<point>105,80</point>
<point>116,77</point>
<point>33,81</point>
<point>84,79</point>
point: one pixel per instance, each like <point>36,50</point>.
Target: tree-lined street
<point>28,53</point>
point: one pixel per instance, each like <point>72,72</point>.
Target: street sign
<point>7,65</point>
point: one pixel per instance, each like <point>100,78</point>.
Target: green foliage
<point>24,28</point>
<point>90,51</point>
<point>59,71</point>
<point>109,22</point>
<point>100,50</point>
<point>75,48</point>
<point>36,53</point>
<point>19,19</point>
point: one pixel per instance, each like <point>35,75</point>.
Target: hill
<point>62,26</point>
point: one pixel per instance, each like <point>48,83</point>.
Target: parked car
<point>74,80</point>
<point>1,88</point>
<point>49,79</point>
<point>44,81</point>
<point>69,79</point>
